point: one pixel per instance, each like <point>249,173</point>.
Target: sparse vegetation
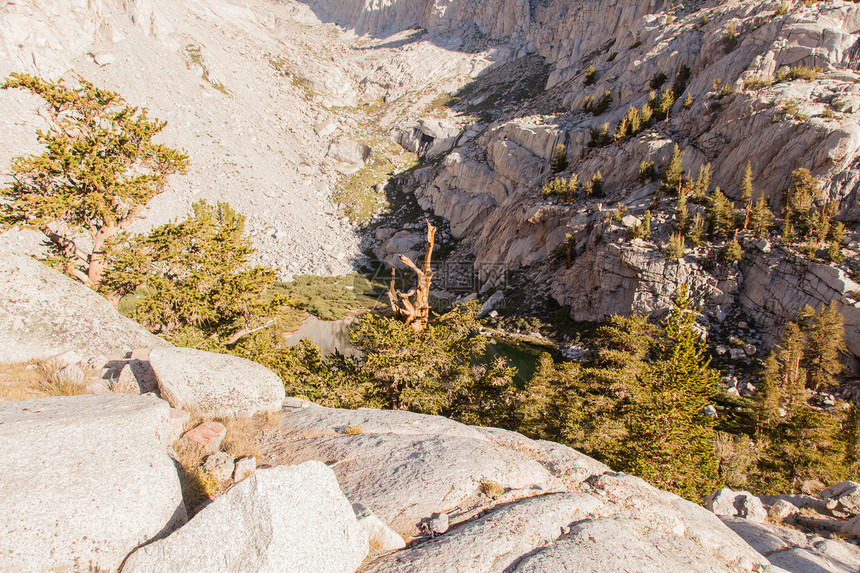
<point>730,37</point>
<point>558,161</point>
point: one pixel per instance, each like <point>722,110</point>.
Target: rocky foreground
<point>96,482</point>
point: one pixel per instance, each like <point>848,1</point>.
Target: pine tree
<point>540,403</point>
<point>671,442</point>
<point>761,218</point>
<point>767,398</point>
<point>721,214</point>
<point>733,251</point>
<point>558,161</point>
<point>825,335</point>
<point>99,169</point>
<point>747,194</point>
<point>703,182</point>
<point>195,274</point>
<point>792,384</point>
<point>673,174</point>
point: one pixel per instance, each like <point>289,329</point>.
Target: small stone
<point>219,465</point>
<point>721,350</point>
<point>208,435</point>
<point>438,523</point>
<point>104,59</point>
<point>737,354</point>
<point>710,412</point>
<point>781,510</point>
<point>244,468</point>
<point>752,508</point>
<point>71,374</point>
<point>846,494</point>
<point>292,402</point>
<point>743,324</point>
<point>126,383</point>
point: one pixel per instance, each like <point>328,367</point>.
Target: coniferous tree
<point>99,170</point>
<point>768,400</point>
<point>673,174</point>
<point>825,336</point>
<point>702,185</point>
<point>761,217</point>
<point>721,214</point>
<point>671,441</point>
<point>195,274</point>
<point>747,194</point>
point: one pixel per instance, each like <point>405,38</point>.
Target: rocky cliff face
<point>488,185</point>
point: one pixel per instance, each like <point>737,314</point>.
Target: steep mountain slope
<point>286,111</point>
<point>767,82</point>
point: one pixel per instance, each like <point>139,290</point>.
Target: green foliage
<point>600,136</point>
<point>195,274</point>
<point>599,106</point>
<point>590,76</point>
<point>825,339</point>
<point>331,298</point>
<point>558,161</point>
<point>643,229</point>
<point>761,217</point>
<point>802,447</point>
<point>673,173</point>
<point>561,187</point>
<point>688,101</point>
<point>696,230</point>
<point>675,249</point>
<point>670,441</point>
<point>647,171</point>
<point>594,188</point>
<point>333,381</point>
<point>661,105</point>
<point>756,83</point>
<point>681,79</point>
<point>733,251</point>
<point>721,215</point>
<point>657,81</point>
<point>99,169</point>
<point>806,218</point>
<point>702,185</point>
<point>797,73</point>
<point>434,371</point>
<point>730,37</point>
<point>837,236</point>
<point>790,108</point>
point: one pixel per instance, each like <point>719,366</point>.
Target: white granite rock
<point>86,479</point>
<point>287,518</point>
<point>215,384</point>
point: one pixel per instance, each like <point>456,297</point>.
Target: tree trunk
<point>97,257</point>
<point>416,313</point>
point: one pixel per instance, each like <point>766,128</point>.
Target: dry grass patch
<point>38,379</point>
<point>242,439</point>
